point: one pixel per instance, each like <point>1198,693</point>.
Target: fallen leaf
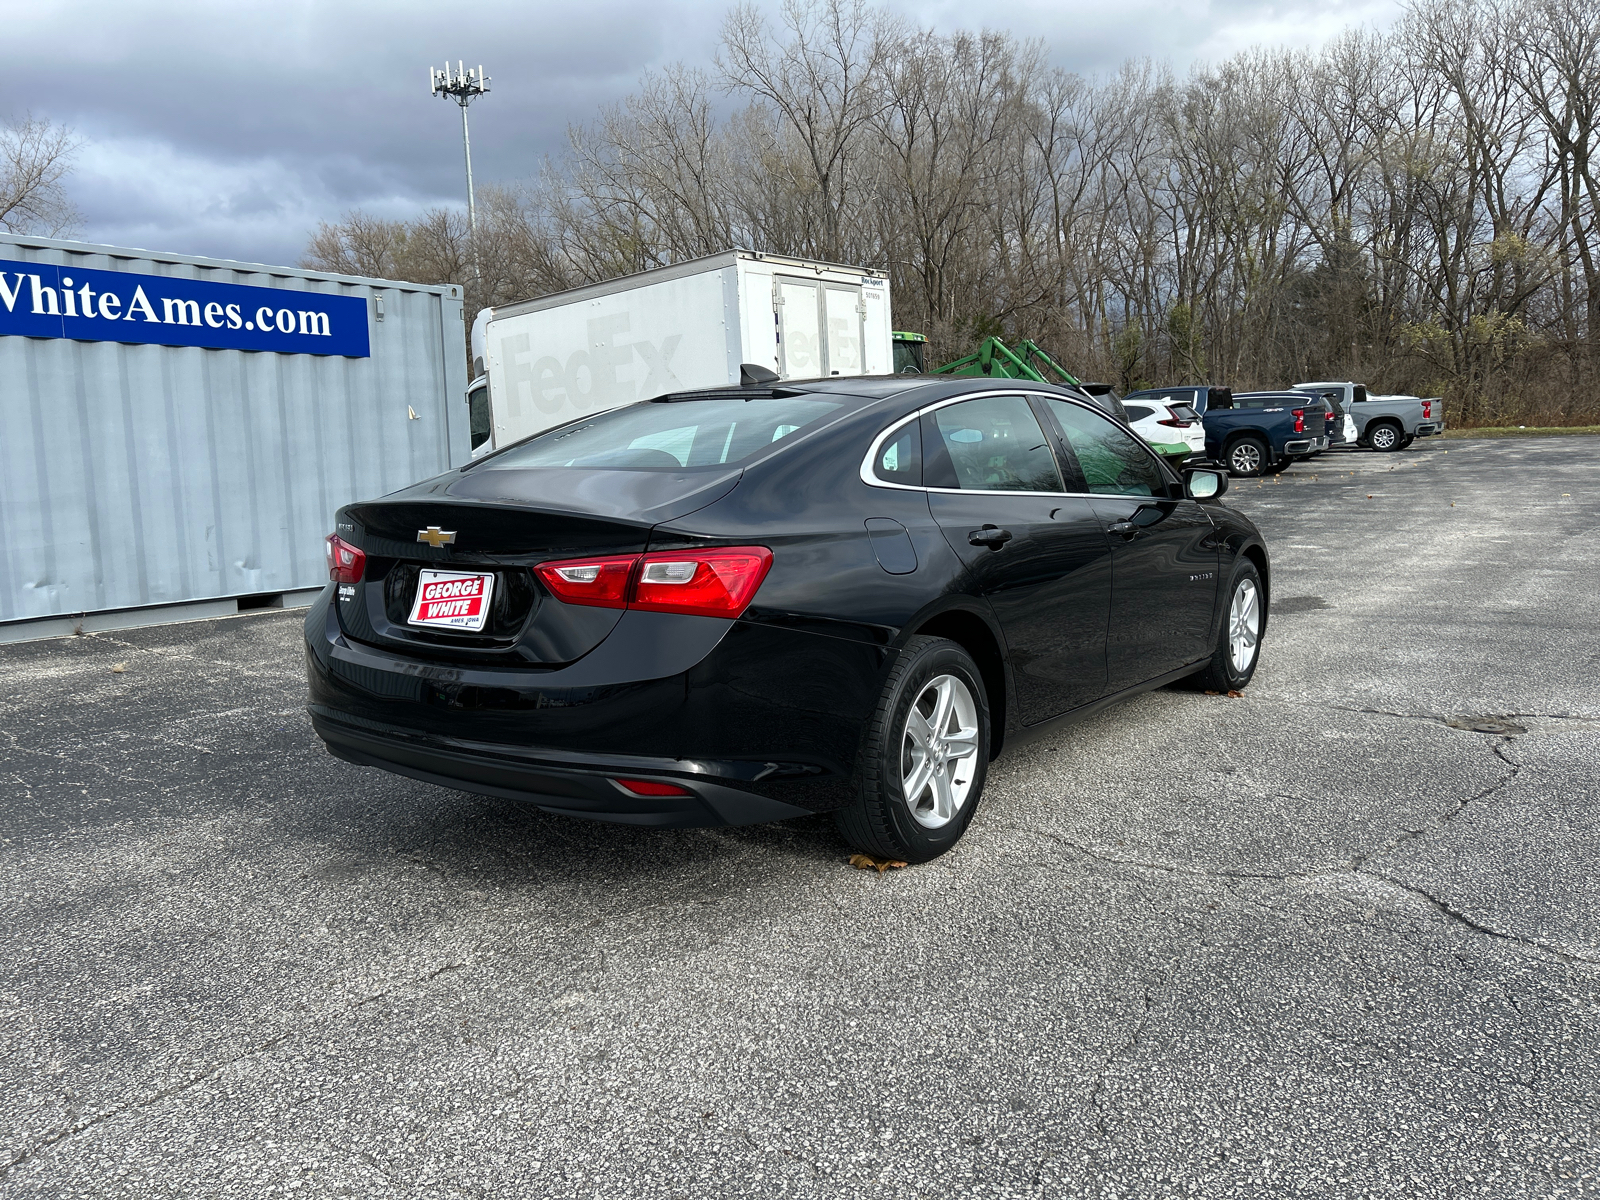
<point>119,668</point>
<point>1234,695</point>
<point>866,862</point>
<point>1213,693</point>
<point>1369,495</point>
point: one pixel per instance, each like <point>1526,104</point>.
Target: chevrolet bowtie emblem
<point>436,537</point>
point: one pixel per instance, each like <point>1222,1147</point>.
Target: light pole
<point>462,86</point>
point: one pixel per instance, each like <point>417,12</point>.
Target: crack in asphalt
<point>1356,865</point>
<point>1444,820</point>
<point>1449,911</point>
<point>133,1105</point>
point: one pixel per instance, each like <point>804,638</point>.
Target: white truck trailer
<point>692,325</point>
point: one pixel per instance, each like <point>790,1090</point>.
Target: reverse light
<point>717,582</point>
<point>345,562</point>
<point>706,583</point>
<point>1299,420</point>
<point>597,582</point>
<point>649,787</point>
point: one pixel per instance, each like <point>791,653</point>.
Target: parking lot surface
<point>1339,937</point>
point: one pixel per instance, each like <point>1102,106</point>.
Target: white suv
<point>1174,430</point>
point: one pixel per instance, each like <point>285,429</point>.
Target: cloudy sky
<point>231,129</point>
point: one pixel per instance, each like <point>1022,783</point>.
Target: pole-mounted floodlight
<point>462,86</point>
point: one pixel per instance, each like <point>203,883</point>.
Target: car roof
<point>893,391</point>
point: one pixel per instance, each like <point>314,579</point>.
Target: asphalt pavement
<point>1338,937</point>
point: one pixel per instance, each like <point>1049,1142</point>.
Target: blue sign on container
<point>119,306</point>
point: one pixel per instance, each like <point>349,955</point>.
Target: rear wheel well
<point>970,633</point>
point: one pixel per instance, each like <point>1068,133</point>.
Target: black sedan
<point>753,603</point>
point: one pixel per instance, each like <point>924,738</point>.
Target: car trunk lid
<point>502,524</point>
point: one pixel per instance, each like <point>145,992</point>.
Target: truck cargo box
<point>691,325</point>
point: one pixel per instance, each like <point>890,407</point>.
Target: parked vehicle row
<point>1260,433</point>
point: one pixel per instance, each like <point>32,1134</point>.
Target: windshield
<point>668,436</point>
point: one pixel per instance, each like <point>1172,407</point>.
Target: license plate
<point>452,600</point>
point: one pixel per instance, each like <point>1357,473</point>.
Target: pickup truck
<point>1261,433</point>
<point>1383,423</point>
<point>1340,429</point>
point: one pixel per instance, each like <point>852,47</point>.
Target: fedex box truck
<point>544,362</point>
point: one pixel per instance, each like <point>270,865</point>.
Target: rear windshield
<point>1184,413</point>
<point>658,436</point>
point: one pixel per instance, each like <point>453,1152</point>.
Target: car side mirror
<point>1204,485</point>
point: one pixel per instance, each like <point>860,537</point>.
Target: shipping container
<point>176,432</point>
<point>691,325</point>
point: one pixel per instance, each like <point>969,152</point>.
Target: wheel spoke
<point>942,704</point>
<point>943,801</point>
<point>917,781</point>
<point>918,731</point>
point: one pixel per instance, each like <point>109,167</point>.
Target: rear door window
<point>991,443</point>
<point>1138,412</point>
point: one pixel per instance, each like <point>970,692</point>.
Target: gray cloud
<point>233,129</point>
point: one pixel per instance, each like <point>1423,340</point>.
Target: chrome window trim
<point>870,478</point>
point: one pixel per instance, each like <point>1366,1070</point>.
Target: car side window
<point>991,443</point>
<point>1112,460</point>
<point>1138,412</point>
<point>899,459</point>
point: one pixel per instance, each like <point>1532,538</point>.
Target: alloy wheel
<point>1246,458</point>
<point>939,751</point>
<point>1244,626</point>
<point>1384,438</point>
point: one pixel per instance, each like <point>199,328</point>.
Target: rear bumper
<point>1427,429</point>
<point>758,723</point>
<point>1305,445</point>
<point>586,790</point>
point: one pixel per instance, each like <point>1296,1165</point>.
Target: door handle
<point>991,536</point>
<point>1126,528</point>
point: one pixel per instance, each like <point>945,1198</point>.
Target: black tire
<point>1220,674</point>
<point>1248,457</point>
<point>1385,436</point>
<point>879,821</point>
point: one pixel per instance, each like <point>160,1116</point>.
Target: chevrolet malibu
<point>760,602</point>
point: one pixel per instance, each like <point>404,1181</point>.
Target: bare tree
<point>1420,210</point>
<point>35,156</point>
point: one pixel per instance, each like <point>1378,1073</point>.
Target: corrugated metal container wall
<point>147,474</point>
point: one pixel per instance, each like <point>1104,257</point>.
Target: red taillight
<point>704,583</point>
<point>1427,410</point>
<point>345,562</point>
<point>707,583</point>
<point>649,787</point>
<point>597,582</point>
<point>1299,420</point>
<point>1176,424</point>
